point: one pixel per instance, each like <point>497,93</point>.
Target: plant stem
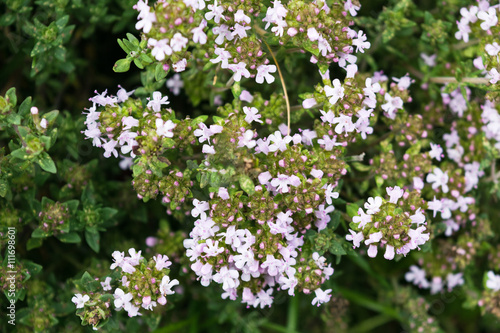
<point>293,309</point>
<point>15,127</point>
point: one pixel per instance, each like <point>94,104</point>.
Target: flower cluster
<point>143,284</point>
<point>388,223</point>
<point>255,186</point>
<point>437,284</point>
<point>490,301</point>
<point>482,20</point>
<point>183,33</point>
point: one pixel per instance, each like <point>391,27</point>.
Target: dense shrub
<point>250,166</point>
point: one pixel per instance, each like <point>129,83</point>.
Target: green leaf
<point>133,39</point>
<point>247,184</point>
<point>160,73</point>
<point>123,46</point>
<point>11,96</point>
<point>24,108</point>
<point>93,239</point>
<point>414,149</point>
<point>361,167</point>
<point>122,65</point>
<point>20,153</point>
<point>33,268</point>
<point>39,233</point>
<point>4,187</point>
<point>336,248</point>
<point>14,119</point>
<point>107,213</point>
<point>236,90</point>
<point>46,141</point>
<point>88,283</point>
<point>71,237</point>
<point>62,22</point>
<point>335,220</point>
<point>352,209</point>
<point>145,58</point>
<point>86,278</point>
<point>138,63</point>
<point>46,163</point>
<point>34,243</point>
<point>51,116</point>
<point>198,120</point>
<point>72,205</point>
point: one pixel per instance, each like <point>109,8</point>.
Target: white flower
<point>199,35</point>
<point>278,142</point>
<point>436,151</point>
<point>246,140</point>
<point>392,105</point>
<point>453,280</point>
<point>418,217</point>
<point>175,84</point>
<point>166,285</point>
<point>160,48</point>
<point>110,148</point>
<point>429,60</point>
<point>146,21</point>
<point>360,42</point>
<point>252,114</point>
<point>417,276</point>
<point>121,299</point>
<point>164,128</point>
<point>493,281</point>
<point>157,101</point>
<point>80,300</point>
<point>106,284</point>
<point>215,13</point>
<point>372,205</point>
<point>355,238</point>
<point>490,18</point>
<point>240,16</point>
<point>180,66</point>
<point>335,93</point>
<point>264,72</point>
<point>438,178</point>
<point>492,49</point>
<point>394,193</point>
<point>239,71</point>
<point>321,296</point>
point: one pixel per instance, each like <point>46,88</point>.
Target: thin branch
<point>226,87</point>
<point>465,45</point>
<point>448,79</point>
<point>283,84</point>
